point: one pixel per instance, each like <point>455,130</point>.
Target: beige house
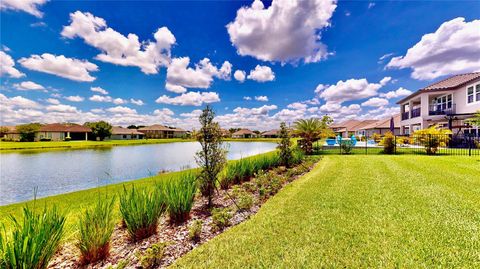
<point>271,134</point>
<point>120,133</point>
<point>447,103</point>
<point>160,131</point>
<point>62,131</point>
<point>381,127</point>
<point>9,133</point>
<point>244,133</point>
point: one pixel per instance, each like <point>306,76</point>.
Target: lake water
<point>62,171</point>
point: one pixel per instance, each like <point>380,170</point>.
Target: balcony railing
<point>405,115</point>
<point>415,113</point>
<point>441,109</point>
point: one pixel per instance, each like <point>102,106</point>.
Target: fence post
<point>395,141</point>
<point>366,144</point>
<point>469,145</point>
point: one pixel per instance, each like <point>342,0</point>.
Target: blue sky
<point>312,58</point>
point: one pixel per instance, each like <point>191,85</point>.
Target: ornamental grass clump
<point>33,241</point>
<point>179,194</point>
<point>140,210</point>
<point>95,228</point>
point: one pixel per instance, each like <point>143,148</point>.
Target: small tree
<point>100,129</point>
<point>475,120</point>
<point>432,138</point>
<point>285,146</point>
<point>28,131</point>
<point>212,157</point>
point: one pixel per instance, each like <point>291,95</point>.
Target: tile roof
<point>384,123</point>
<point>158,127</point>
<point>271,132</point>
<point>446,84</point>
<point>243,132</point>
<point>125,131</point>
<point>64,127</point>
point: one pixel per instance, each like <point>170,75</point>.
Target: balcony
<point>415,113</point>
<point>405,115</point>
<point>441,109</point>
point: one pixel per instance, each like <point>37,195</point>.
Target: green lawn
<point>89,144</point>
<point>357,211</point>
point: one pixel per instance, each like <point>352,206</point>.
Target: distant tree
<point>3,130</point>
<point>100,129</point>
<point>28,131</point>
<point>257,132</point>
<point>212,156</point>
<point>325,130</point>
<point>285,145</point>
<point>132,127</point>
<point>233,130</point>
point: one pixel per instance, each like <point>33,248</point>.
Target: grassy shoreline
<point>73,203</point>
<point>14,146</point>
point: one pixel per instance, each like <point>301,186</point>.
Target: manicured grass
<point>361,211</point>
<point>90,144</point>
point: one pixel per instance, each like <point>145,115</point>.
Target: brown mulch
<point>122,248</point>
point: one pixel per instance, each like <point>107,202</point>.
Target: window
<point>124,136</point>
<point>473,93</point>
<point>443,102</point>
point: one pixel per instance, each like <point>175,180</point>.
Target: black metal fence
<point>428,144</point>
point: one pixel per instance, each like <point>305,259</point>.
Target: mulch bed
<point>122,248</point>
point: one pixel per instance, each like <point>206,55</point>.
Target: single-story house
<point>271,134</point>
<point>62,131</point>
<point>350,127</point>
<point>244,133</point>
<point>381,127</point>
<point>9,133</point>
<point>120,133</point>
<point>161,131</point>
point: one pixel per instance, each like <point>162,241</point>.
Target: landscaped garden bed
<point>231,206</point>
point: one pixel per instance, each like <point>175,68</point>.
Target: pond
<point>61,171</point>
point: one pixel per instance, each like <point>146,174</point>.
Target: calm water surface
<point>61,171</point>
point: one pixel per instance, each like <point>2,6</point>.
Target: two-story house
<point>447,103</point>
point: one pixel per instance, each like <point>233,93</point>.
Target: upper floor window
<point>473,93</point>
<point>443,102</point>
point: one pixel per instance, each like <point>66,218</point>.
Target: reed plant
<point>95,228</point>
<point>140,210</point>
<point>179,194</point>
<point>33,240</point>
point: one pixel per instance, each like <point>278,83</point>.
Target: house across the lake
<point>9,133</point>
<point>244,133</point>
<point>62,131</point>
<point>120,133</point>
<point>161,131</point>
<point>447,103</point>
<point>270,134</point>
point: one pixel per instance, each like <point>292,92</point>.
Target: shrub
<point>221,218</point>
<point>34,240</point>
<point>140,211</point>
<point>297,156</point>
<point>153,255</point>
<point>346,146</point>
<point>95,230</point>
<point>376,137</point>
<point>284,145</point>
<point>249,186</point>
<point>179,194</point>
<point>68,138</point>
<point>388,142</point>
<point>27,131</point>
<point>195,230</point>
<point>432,138</point>
<point>120,265</point>
<point>243,199</point>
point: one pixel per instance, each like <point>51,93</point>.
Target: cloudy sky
<point>257,63</point>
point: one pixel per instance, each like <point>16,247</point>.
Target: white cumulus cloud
<point>74,98</point>
<point>400,92</point>
<point>349,90</point>
<point>29,6</point>
<point>240,75</point>
<point>452,49</point>
<point>286,31</point>
<point>376,102</point>
<point>118,49</point>
<point>7,66</point>
<point>261,98</point>
<point>99,90</point>
<point>61,66</point>
<point>28,85</point>
<point>189,99</point>
<point>261,74</point>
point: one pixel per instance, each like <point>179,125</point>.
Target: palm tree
<point>309,130</point>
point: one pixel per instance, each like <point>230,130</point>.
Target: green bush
<point>221,218</point>
<point>95,228</point>
<point>388,143</point>
<point>179,194</point>
<point>153,256</point>
<point>346,146</point>
<point>140,211</point>
<point>243,199</point>
<point>34,240</point>
<point>195,230</point>
<point>250,187</point>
